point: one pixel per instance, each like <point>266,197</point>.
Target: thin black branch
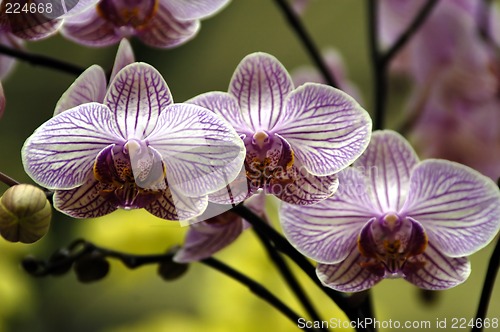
<point>307,41</point>
<point>489,282</point>
<point>255,288</point>
<point>8,180</point>
<point>42,60</point>
<point>281,244</point>
<point>417,22</point>
<point>289,277</point>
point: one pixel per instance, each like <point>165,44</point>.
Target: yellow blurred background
<point>139,300</point>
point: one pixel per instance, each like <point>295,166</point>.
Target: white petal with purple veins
<point>325,231</point>
<point>348,275</point>
<point>201,151</point>
<point>84,201</point>
<point>61,152</point>
<point>124,57</point>
<point>91,29</point>
<point>433,270</point>
<point>260,83</point>
<point>458,206</point>
<point>137,96</point>
<point>166,31</point>
<point>327,128</point>
<point>224,105</point>
<point>90,86</point>
<point>388,162</point>
<point>193,9</point>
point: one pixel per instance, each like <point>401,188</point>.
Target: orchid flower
<point>296,139</point>
<point>157,23</point>
<point>136,149</point>
<point>397,217</point>
<point>211,235</point>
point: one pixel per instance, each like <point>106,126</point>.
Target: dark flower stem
<point>41,60</point>
<point>489,282</point>
<point>8,180</point>
<point>82,247</point>
<point>306,40</point>
<point>289,277</point>
<point>280,243</point>
<point>381,61</point>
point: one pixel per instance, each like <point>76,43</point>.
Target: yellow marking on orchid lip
<point>260,138</point>
<point>392,248</point>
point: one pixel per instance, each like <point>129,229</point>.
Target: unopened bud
<point>91,267</point>
<point>25,214</point>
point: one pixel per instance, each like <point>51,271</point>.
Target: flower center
<point>268,160</point>
<point>389,241</point>
<point>131,13</point>
<point>132,175</point>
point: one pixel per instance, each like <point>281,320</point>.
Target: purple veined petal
<point>175,206</point>
<point>136,96</point>
<point>303,188</point>
<point>2,101</point>
<point>84,201</point>
<point>124,57</point>
<point>8,63</point>
<point>433,270</point>
<point>33,26</point>
<point>208,237</point>
<point>61,152</point>
<point>193,9</point>
<point>226,106</point>
<point>325,231</point>
<point>388,162</point>
<point>458,206</point>
<point>349,275</point>
<point>260,83</point>
<point>327,128</point>
<point>67,8</point>
<point>91,29</point>
<point>235,192</point>
<point>201,151</point>
<point>90,86</point>
<point>166,31</point>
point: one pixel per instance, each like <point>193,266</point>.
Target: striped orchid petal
<point>175,206</point>
<point>193,9</point>
<point>325,231</point>
<point>90,86</point>
<point>208,237</point>
<point>226,106</point>
<point>7,63</point>
<point>435,271</point>
<point>457,205</point>
<point>61,152</point>
<point>260,83</point>
<point>124,57</point>
<point>350,275</point>
<point>327,128</point>
<point>136,96</point>
<point>91,29</point>
<point>202,153</point>
<point>84,201</point>
<point>165,31</point>
<point>388,163</point>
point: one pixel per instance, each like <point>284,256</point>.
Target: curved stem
<point>307,41</point>
<point>489,282</point>
<point>8,180</point>
<point>289,277</point>
<point>42,60</point>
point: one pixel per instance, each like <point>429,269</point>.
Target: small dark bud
<point>60,262</point>
<point>32,265</point>
<point>91,267</point>
<point>428,296</point>
<point>170,270</point>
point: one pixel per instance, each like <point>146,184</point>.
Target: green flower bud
<point>25,214</point>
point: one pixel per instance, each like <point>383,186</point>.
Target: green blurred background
<point>139,300</point>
